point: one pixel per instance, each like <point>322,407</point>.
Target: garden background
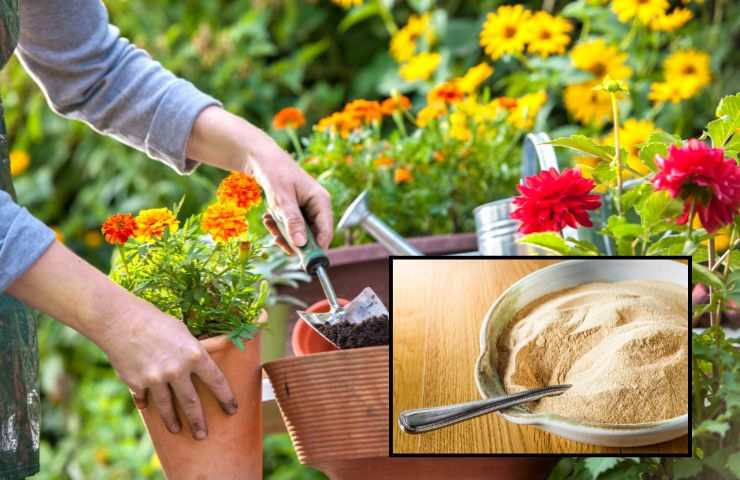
<point>258,57</point>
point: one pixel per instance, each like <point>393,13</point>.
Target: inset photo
<point>540,355</point>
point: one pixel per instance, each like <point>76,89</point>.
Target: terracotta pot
<point>357,267</point>
<point>233,449</point>
<point>305,340</point>
<point>335,406</point>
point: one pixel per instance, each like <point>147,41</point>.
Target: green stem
<point>399,123</point>
<point>711,254</point>
<point>296,143</point>
<point>630,36</point>
<point>122,254</point>
<point>617,151</point>
<point>690,230</point>
<point>387,17</point>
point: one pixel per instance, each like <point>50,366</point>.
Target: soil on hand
<point>372,332</point>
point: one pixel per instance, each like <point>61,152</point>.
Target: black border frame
<point>392,421</point>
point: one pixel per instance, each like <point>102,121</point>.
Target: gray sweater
<point>88,72</point>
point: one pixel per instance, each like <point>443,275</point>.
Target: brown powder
<point>623,346</point>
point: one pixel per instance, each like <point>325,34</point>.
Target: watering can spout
<point>358,213</point>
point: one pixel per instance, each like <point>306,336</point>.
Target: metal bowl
<point>550,279</point>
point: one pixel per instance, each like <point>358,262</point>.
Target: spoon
<point>426,419</point>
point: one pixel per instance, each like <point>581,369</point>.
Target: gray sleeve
<point>89,72</point>
<point>23,239</point>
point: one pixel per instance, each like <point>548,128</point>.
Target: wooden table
<point>438,308</point>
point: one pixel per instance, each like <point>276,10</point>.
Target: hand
<point>156,356</point>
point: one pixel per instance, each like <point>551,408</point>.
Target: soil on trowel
<point>372,332</point>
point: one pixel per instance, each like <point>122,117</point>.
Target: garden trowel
<point>363,322</point>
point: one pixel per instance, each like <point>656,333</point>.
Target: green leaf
<point>552,242</point>
<point>686,468</point>
<point>597,466</point>
<point>711,426</point>
<point>728,120</point>
<point>649,151</point>
<point>657,208</point>
<point>583,144</point>
<point>733,463</point>
<point>357,15</point>
<point>663,137</point>
<point>701,274</point>
<point>619,227</point>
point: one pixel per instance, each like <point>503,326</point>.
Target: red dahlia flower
<point>550,201</point>
<point>702,175</point>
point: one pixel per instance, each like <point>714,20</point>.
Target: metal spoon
<point>426,419</point>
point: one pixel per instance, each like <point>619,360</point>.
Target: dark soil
<point>372,332</point>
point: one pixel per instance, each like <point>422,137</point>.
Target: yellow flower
<point>671,22</point>
<point>674,91</point>
<point>402,175</point>
<point>505,31</point>
<point>340,122</point>
<point>549,35</point>
<point>631,136</point>
<point>526,110</point>
<point>151,223</point>
<point>445,92</point>
<point>92,239</point>
<point>644,10</point>
<point>721,236</point>
<point>474,77</point>
<point>429,113</point>
<point>420,67</point>
<point>600,59</point>
<point>403,42</point>
<point>586,104</point>
<point>19,162</point>
<point>459,129</point>
<point>383,161</point>
<point>224,221</point>
<point>691,65</point>
<point>347,3</point>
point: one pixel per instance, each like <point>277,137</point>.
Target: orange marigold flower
<point>348,159</point>
<point>241,189</point>
<point>289,117</point>
<point>119,228</point>
<point>392,105</point>
<point>438,156</point>
<point>402,175</point>
<point>507,103</point>
<point>383,161</point>
<point>364,110</point>
<point>152,223</point>
<point>224,221</point>
<point>446,92</point>
<point>340,122</point>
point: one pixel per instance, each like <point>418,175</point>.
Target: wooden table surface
<point>438,308</point>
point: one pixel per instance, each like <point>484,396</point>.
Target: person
<point>89,72</point>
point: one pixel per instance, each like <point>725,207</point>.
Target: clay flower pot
<point>305,340</point>
<point>335,406</point>
<point>233,449</point>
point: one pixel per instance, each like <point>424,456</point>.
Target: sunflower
<point>402,175</point>
<point>691,65</point>
<point>671,22</point>
<point>224,221</point>
<point>347,3</point>
<point>153,222</point>
<point>420,67</point>
<point>429,113</point>
<point>526,110</point>
<point>289,117</point>
<point>505,31</point>
<point>404,41</point>
<point>241,189</point>
<point>549,35</point>
<point>399,103</point>
<point>445,92</point>
<point>19,162</point>
<point>118,228</point>
<point>644,10</point>
<point>600,59</point>
<point>586,104</point>
<point>473,78</point>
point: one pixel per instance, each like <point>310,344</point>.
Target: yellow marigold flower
<point>347,3</point>
<point>527,108</point>
<point>474,77</point>
<point>339,122</point>
<point>445,92</point>
<point>420,67</point>
<point>549,35</point>
<point>224,221</point>
<point>289,117</point>
<point>241,189</point>
<point>688,65</point>
<point>367,111</point>
<point>674,91</point>
<point>643,10</point>
<point>600,59</point>
<point>479,113</point>
<point>505,31</point>
<point>399,103</point>
<point>402,175</point>
<point>383,161</point>
<point>586,104</point>
<point>151,223</point>
<point>404,41</point>
<point>459,129</point>
<point>429,113</point>
<point>671,22</point>
<point>92,239</point>
<point>19,162</point>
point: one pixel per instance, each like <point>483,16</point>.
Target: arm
<point>150,350</point>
